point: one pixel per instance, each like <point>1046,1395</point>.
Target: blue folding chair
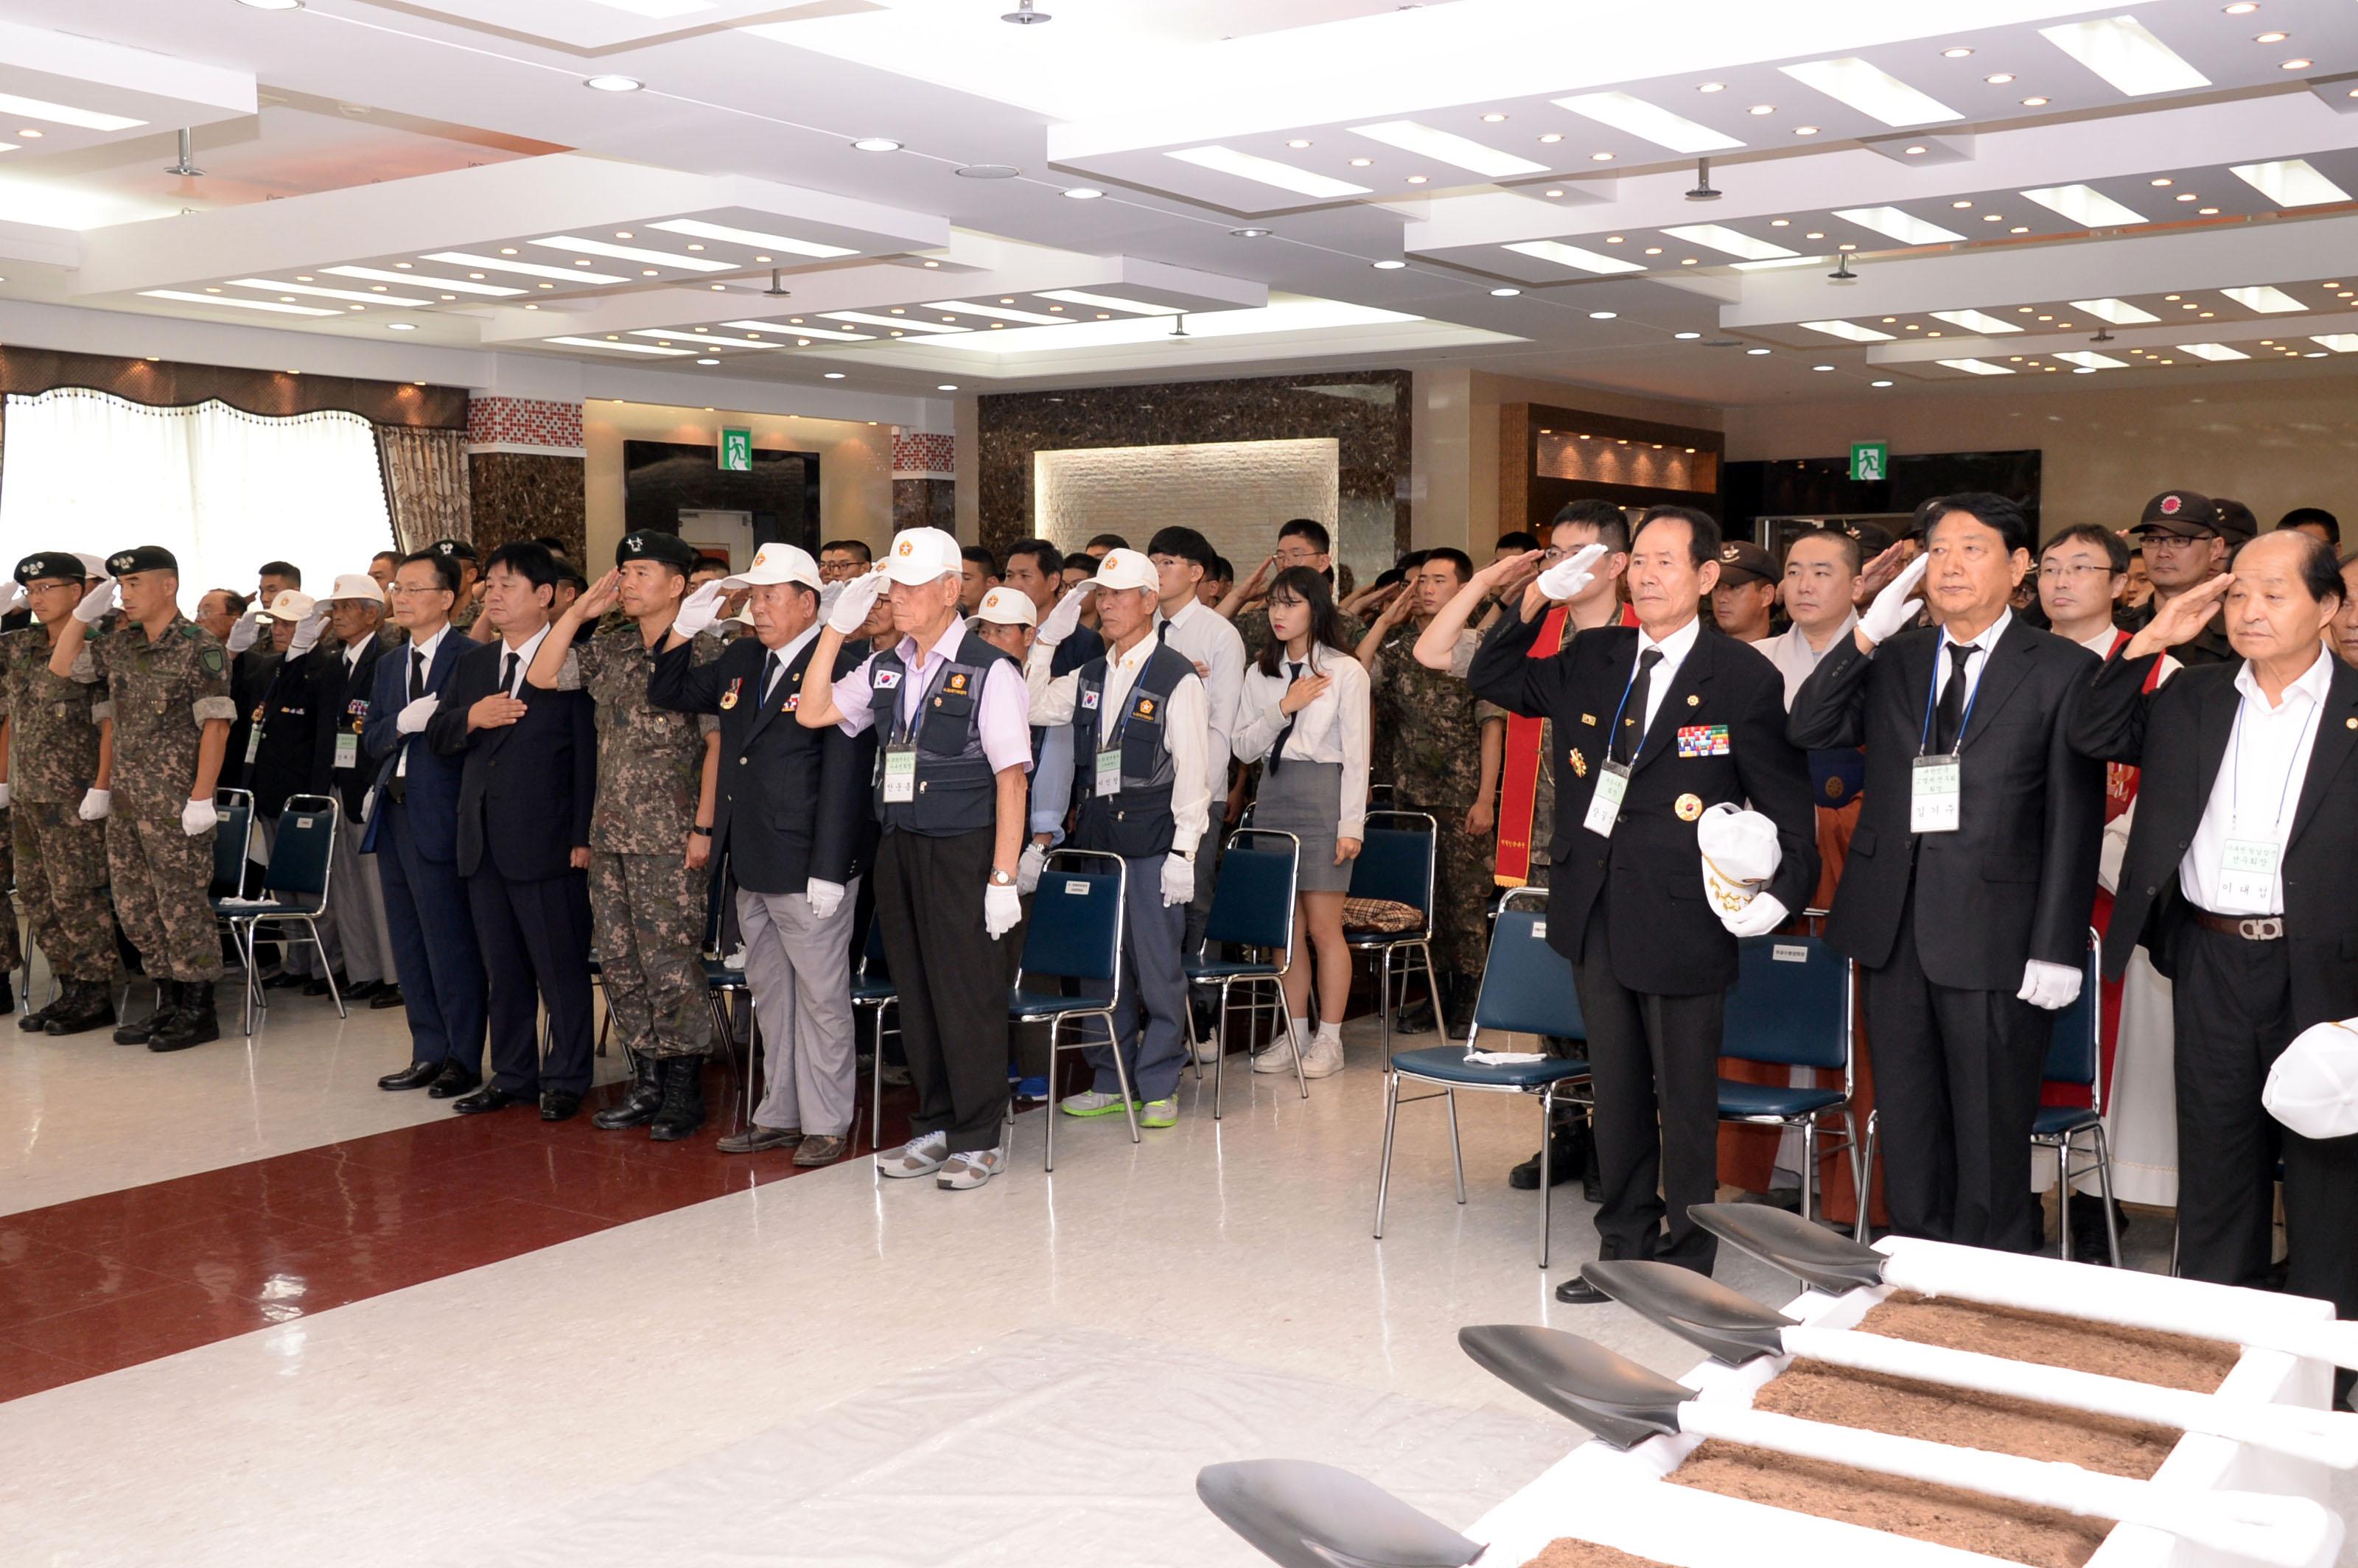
<point>1395,863</point>
<point>1526,988</point>
<point>1252,909</point>
<point>2075,1055</point>
<point>1076,934</point>
<point>1791,1006</point>
<point>873,992</point>
<point>294,889</point>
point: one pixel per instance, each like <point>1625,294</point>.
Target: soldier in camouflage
<point>650,835</point>
<point>467,607</point>
<point>167,683</point>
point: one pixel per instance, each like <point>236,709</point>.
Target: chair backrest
<point>2073,1053</point>
<point>1076,926</point>
<point>233,838</point>
<point>1396,863</point>
<point>1527,985</point>
<point>1252,901</point>
<point>302,852</point>
<point>1790,1003</point>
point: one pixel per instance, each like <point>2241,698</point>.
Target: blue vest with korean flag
<point>956,788</point>
<point>1136,821</point>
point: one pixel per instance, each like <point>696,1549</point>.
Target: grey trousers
<point>1153,983</point>
<point>355,929</point>
<point>801,998</point>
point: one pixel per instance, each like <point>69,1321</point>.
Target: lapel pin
<point>1693,701</point>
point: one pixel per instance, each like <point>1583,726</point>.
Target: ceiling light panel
<point>1975,321</point>
<point>698,337</point>
<point>1732,242</point>
<point>2266,299</point>
<point>1647,123</point>
<point>1872,90</point>
<point>315,291</point>
<point>525,269</point>
<point>1572,256</point>
<point>621,347</point>
<point>1269,171</point>
<point>2340,342</point>
<point>42,110</point>
<point>1850,331</point>
<point>2122,51</point>
<point>573,245</point>
<point>893,323</point>
<point>1905,227</point>
<point>994,313</point>
<point>826,334</point>
<point>421,280</point>
<point>2085,205</point>
<point>1107,302</point>
<point>2119,312</point>
<point>232,300</point>
<point>696,228</point>
<point>2290,182</point>
<point>1977,367</point>
<point>2091,361</point>
<point>2212,351</point>
<point>1458,152</point>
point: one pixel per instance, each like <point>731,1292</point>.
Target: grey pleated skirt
<point>1306,799</point>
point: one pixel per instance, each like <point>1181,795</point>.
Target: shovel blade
<point>1697,1308</point>
<point>1581,1381</point>
<point>1808,1251</point>
<point>1302,1515</point>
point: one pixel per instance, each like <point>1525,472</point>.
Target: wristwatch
<point>1000,878</point>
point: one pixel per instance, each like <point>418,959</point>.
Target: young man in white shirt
<point>1182,558</point>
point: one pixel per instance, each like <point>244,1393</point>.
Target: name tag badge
<point>2248,862</point>
<point>1605,801</point>
<point>1108,774</point>
<point>899,775</point>
<point>253,741</point>
<point>347,750</point>
<point>1935,795</point>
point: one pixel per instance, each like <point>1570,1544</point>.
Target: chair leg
<point>335,992</point>
<point>1853,1152</point>
<point>1866,1165</point>
<point>1384,1170</point>
<point>1808,1164</point>
<point>1546,1171</point>
<point>1383,1002</point>
<point>1221,1061</point>
<point>2105,1186</point>
<point>876,1089</point>
<point>1121,1076</point>
<point>2063,1197</point>
<point>1456,1153</point>
<point>1055,1043</point>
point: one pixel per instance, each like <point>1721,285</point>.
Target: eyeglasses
<point>2175,541</point>
<point>2052,571</point>
<point>1296,556</point>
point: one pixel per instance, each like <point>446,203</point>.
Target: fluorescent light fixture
<point>1458,152</point>
<point>63,114</point>
<point>2340,342</point>
<point>1268,172</point>
<point>1572,256</point>
<point>1733,242</point>
<point>2290,182</point>
<point>2123,52</point>
<point>1977,367</point>
<point>894,323</point>
<point>1107,302</point>
<point>317,292</point>
<point>529,269</point>
<point>707,339</point>
<point>1287,315</point>
<point>1872,90</point>
<point>2086,360</point>
<point>1975,321</point>
<point>1905,227</point>
<point>1644,120</point>
<point>1776,264</point>
<point>657,9</point>
<point>2212,351</point>
<point>2119,312</point>
<point>2267,299</point>
<point>994,313</point>
<point>621,347</point>
<point>610,83</point>
<point>830,333</point>
<point>1850,331</point>
<point>579,246</point>
<point>417,280</point>
<point>2085,205</point>
<point>696,228</point>
<point>240,304</point>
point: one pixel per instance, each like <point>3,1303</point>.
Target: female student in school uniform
<point>1303,716</point>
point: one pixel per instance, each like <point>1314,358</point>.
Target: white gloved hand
<point>244,634</point>
<point>699,610</point>
<point>414,715</point>
<point>2051,986</point>
<point>1762,914</point>
<point>368,803</point>
<point>94,805</point>
<point>1066,617</point>
<point>1178,880</point>
<point>12,596</point>
<point>307,632</point>
<point>94,604</point>
<point>1568,577</point>
<point>824,897</point>
<point>197,816</point>
<point>1893,609</point>
<point>1002,906</point>
<point>854,604</point>
<point>1028,869</point>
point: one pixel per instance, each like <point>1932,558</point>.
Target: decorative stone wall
<point>924,481</point>
<point>525,460</point>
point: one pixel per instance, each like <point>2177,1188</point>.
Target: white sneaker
<point>1323,1059</point>
<point>917,1157</point>
<point>963,1172</point>
<point>1277,1057</point>
<point>1208,1050</point>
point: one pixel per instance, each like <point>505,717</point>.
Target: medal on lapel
<point>729,698</point>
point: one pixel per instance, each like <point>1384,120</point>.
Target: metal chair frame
<point>880,1005</point>
<point>1807,1123</point>
<point>1078,860</point>
<point>246,925</point>
<point>1407,944</point>
<point>1273,981</point>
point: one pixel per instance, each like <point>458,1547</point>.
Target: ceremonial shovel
<point>1835,1263</point>
<point>1301,1515</point>
<point>1737,1328</point>
<point>1624,1403</point>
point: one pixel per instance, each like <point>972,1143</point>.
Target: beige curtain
<point>425,484</point>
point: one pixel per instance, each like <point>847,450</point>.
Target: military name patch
<point>1702,740</point>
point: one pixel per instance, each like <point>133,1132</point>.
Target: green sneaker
<point>1091,1104</point>
<point>1159,1113</point>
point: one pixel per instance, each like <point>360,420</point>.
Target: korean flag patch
<point>887,679</point>
<point>1090,701</point>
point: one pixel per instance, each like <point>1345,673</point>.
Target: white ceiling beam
<point>183,91</point>
<point>2291,330</point>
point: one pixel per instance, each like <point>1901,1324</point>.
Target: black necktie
<point>507,674</point>
<point>1950,716</point>
<point>1277,752</point>
<point>768,674</point>
<point>1633,708</point>
<point>417,675</point>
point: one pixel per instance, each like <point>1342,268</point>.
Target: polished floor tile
<point>128,1330</point>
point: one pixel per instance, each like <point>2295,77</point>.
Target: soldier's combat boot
<point>683,1099</point>
<point>139,1031</point>
<point>191,1023</point>
<point>639,1106</point>
<point>34,1018</point>
<point>86,1005</point>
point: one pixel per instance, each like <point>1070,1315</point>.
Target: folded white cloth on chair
<point>1504,1058</point>
<point>1740,853</point>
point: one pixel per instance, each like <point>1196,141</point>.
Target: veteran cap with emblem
<point>292,605</point>
<point>776,564</point>
<point>1741,560</point>
<point>1008,606</point>
<point>142,558</point>
<point>2180,513</point>
<point>653,544</point>
<point>922,555</point>
<point>62,564</point>
<point>1126,570</point>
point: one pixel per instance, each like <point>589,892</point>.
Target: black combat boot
<point>193,1023</point>
<point>139,1031</point>
<point>86,1005</point>
<point>34,1018</point>
<point>639,1106</point>
<point>683,1099</point>
<point>8,991</point>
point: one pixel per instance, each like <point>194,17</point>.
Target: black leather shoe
<point>362,990</point>
<point>415,1075</point>
<point>1567,1152</point>
<point>682,1110</point>
<point>389,997</point>
<point>282,980</point>
<point>453,1081</point>
<point>194,1022</point>
<point>637,1108</point>
<point>315,987</point>
<point>1577,1292</point>
<point>490,1097</point>
<point>557,1105</point>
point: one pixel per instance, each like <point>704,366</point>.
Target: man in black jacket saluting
<point>1653,726</point>
<point>1965,897</point>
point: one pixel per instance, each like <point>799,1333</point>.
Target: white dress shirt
<point>1976,663</point>
<point>1006,738</point>
<point>2258,787</point>
<point>1215,644</point>
<point>1674,650</point>
<point>1332,728</point>
<point>523,656</point>
<point>787,655</point>
<point>1790,652</point>
<point>1185,728</point>
<point>419,657</point>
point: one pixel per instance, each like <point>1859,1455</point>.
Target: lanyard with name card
<point>1108,772</point>
<point>1612,777</point>
<point>2253,853</point>
<point>1936,783</point>
<point>898,756</point>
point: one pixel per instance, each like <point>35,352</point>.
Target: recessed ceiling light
<point>2293,65</point>
<point>1504,293</point>
<point>1959,52</point>
<point>1554,193</point>
<point>708,361</point>
<point>1458,152</point>
<point>1878,383</point>
<point>1686,337</point>
<point>1733,242</point>
<point>1492,119</point>
<point>1961,206</point>
<point>2271,37</point>
<point>1268,172</point>
<point>1905,227</point>
<point>2265,299</point>
<point>2188,196</point>
<point>606,83</point>
<point>1762,109</point>
<point>1653,250</point>
<point>1552,137</point>
<point>1416,180</point>
<point>1993,217</point>
<point>1603,315</point>
<point>1805,130</point>
<point>2291,182</point>
<point>1389,264</point>
<point>933,264</point>
<point>1600,157</point>
<point>2119,312</point>
<point>2208,212</point>
<point>2000,80</point>
<point>1850,331</point>
<point>2122,51</point>
<point>401,326</point>
<point>1638,118</point>
<point>1822,367</point>
<point>696,228</point>
<point>2019,228</point>
<point>877,145</point>
<point>946,386</point>
<point>1975,321</point>
<point>1977,367</point>
<point>1756,353</point>
<point>1872,90</point>
<point>270,5</point>
<point>1713,87</point>
<point>835,375</point>
<point>1814,235</point>
<point>1083,193</point>
<point>2085,205</point>
<point>2034,103</point>
<point>1361,162</point>
<point>1248,233</point>
<point>1298,143</point>
<point>30,134</point>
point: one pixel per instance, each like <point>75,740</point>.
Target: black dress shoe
<point>317,987</point>
<point>280,981</point>
<point>415,1075</point>
<point>557,1105</point>
<point>452,1081</point>
<point>389,997</point>
<point>1567,1152</point>
<point>361,991</point>
<point>490,1097</point>
<point>1577,1292</point>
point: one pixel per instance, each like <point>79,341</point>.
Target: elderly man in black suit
<point>1966,892</point>
<point>1654,725</point>
<point>355,926</point>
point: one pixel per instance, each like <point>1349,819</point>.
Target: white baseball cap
<point>1008,606</point>
<point>776,564</point>
<point>922,554</point>
<point>357,585</point>
<point>292,605</point>
<point>1126,570</point>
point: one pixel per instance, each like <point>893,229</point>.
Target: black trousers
<point>1956,1089</point>
<point>536,941</point>
<point>952,983</point>
<point>1655,1062</point>
<point>2232,1006</point>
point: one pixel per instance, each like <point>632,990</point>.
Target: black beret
<point>142,558</point>
<point>458,547</point>
<point>567,572</point>
<point>52,563</point>
<point>648,545</point>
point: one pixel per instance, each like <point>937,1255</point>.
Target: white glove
<point>197,816</point>
<point>1568,577</point>
<point>1178,880</point>
<point>4,794</point>
<point>853,605</point>
<point>2051,986</point>
<point>1028,869</point>
<point>1893,609</point>
<point>241,635</point>
<point>1760,915</point>
<point>307,632</point>
<point>824,897</point>
<point>1065,618</point>
<point>12,596</point>
<point>94,805</point>
<point>368,803</point>
<point>1002,906</point>
<point>413,716</point>
<point>699,610</point>
<point>97,602</point>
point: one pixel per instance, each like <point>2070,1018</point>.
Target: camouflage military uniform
<point>1252,625</point>
<point>162,693</point>
<point>1437,767</point>
<point>60,858</point>
<point>648,907</point>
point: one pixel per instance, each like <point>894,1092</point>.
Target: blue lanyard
<point>2235,766</point>
<point>1972,695</point>
<point>1624,703</point>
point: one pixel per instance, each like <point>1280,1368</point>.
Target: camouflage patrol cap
<point>52,563</point>
<point>142,558</point>
<point>650,544</point>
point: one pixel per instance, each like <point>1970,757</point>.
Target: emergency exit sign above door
<point>737,451</point>
<point>1869,460</point>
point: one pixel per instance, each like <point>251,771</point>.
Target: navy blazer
<point>433,786</point>
<point>525,789</point>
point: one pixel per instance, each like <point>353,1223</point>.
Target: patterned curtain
<point>425,484</point>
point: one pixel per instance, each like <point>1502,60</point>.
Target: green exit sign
<point>737,451</point>
<point>1868,460</point>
